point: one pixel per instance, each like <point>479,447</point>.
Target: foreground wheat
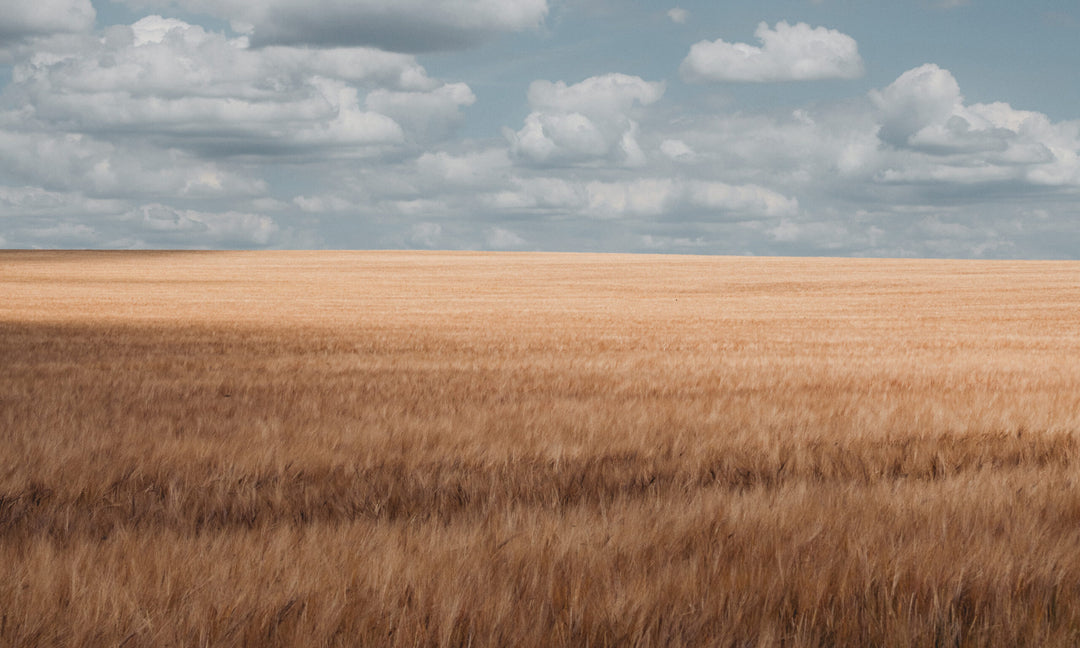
<point>321,449</point>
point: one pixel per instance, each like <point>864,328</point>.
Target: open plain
<point>456,449</point>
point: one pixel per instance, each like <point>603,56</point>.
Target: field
<point>434,449</point>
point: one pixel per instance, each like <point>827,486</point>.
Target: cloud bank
<point>191,89</point>
<point>166,133</point>
<point>24,22</point>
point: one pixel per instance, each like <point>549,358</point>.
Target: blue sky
<point>940,128</point>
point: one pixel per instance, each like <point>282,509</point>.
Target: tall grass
<point>407,449</point>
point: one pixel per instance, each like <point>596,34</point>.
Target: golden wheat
<point>433,449</point>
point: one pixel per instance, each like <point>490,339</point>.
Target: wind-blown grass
<point>318,449</point>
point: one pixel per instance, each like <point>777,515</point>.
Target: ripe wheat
<point>433,449</point>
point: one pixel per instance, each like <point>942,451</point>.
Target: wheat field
<point>458,449</point>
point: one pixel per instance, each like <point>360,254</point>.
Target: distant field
<point>435,449</point>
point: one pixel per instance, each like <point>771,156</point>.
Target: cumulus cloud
<point>919,98</point>
<point>587,122</point>
<point>678,15</point>
<point>394,25</point>
<point>606,94</point>
<point>189,88</point>
<point>915,141</point>
<point>787,53</point>
<point>936,137</point>
<point>157,134</point>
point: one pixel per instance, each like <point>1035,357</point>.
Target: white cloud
<point>395,25</point>
<point>588,122</point>
<point>559,137</point>
<point>919,98</point>
<point>678,15</point>
<point>788,53</point>
<point>608,95</point>
<point>153,30</point>
<point>937,138</point>
<point>676,149</point>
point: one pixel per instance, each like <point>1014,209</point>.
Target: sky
<point>874,128</point>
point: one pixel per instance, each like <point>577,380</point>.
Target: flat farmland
<point>463,449</point>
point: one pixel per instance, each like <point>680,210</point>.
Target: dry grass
<point>406,449</point>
